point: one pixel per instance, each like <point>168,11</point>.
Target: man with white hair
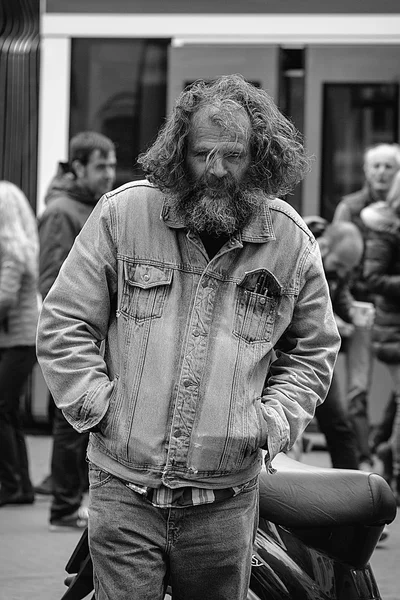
<point>381,163</point>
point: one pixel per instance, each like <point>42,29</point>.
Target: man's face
<point>214,152</point>
<point>219,199</point>
<point>98,175</point>
<point>380,167</point>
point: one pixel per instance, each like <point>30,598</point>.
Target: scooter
<point>318,528</point>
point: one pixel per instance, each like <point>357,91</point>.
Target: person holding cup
<point>382,273</point>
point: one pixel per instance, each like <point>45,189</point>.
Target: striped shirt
<point>164,497</point>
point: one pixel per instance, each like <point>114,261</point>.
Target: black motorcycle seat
<point>300,495</point>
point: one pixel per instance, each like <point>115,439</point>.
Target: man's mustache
<point>219,185</point>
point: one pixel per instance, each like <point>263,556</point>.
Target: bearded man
<point>191,333</point>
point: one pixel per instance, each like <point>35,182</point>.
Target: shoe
<point>45,487</point>
<point>77,520</point>
<point>16,498</point>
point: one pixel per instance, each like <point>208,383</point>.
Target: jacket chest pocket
<point>258,295</point>
<point>145,290</point>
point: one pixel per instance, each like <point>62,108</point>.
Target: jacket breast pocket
<point>145,290</point>
<point>258,295</point>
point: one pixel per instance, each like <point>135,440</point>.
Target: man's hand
<point>345,329</point>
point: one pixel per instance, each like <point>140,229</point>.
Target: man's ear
<point>78,168</point>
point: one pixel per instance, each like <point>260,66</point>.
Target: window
<point>291,101</point>
<point>355,116</point>
<point>119,88</point>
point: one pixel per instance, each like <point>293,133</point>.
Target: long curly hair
<point>279,160</point>
<point>19,237</point>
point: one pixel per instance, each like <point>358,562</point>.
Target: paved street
<point>32,559</point>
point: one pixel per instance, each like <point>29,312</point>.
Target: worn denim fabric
<point>182,367</point>
<point>359,364</point>
<point>200,550</point>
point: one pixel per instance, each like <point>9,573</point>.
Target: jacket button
<point>196,332</point>
<point>187,383</point>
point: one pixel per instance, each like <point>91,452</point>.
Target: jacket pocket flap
<point>146,276</point>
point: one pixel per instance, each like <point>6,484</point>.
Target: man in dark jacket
<point>381,162</point>
<point>70,199</point>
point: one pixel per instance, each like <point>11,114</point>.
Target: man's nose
<point>110,172</point>
<point>217,167</point>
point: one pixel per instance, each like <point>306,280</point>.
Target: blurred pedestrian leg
<point>15,366</point>
<point>68,467</point>
<point>359,379</point>
<point>334,423</point>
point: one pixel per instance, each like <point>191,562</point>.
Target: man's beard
<point>220,207</point>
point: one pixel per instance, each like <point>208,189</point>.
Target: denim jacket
<point>181,368</point>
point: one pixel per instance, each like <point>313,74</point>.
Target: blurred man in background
<point>70,199</point>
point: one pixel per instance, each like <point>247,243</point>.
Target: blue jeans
<point>359,364</point>
<point>137,549</point>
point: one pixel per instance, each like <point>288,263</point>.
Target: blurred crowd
<point>31,255</point>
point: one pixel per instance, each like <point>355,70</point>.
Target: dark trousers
<point>69,469</point>
<point>15,366</point>
<point>384,429</point>
<point>334,423</point>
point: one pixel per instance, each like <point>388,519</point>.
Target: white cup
<point>363,314</point>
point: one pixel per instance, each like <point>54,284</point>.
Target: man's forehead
<point>229,123</point>
<point>383,154</point>
<point>98,156</point>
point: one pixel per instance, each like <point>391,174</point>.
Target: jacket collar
<point>65,184</point>
<point>258,230</point>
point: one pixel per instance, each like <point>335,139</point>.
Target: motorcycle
<point>318,528</point>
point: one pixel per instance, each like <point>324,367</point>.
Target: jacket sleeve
<point>57,234</point>
<point>343,302</point>
<point>74,321</point>
<point>11,273</point>
<point>342,212</point>
<point>300,376</point>
<point>379,256</point>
